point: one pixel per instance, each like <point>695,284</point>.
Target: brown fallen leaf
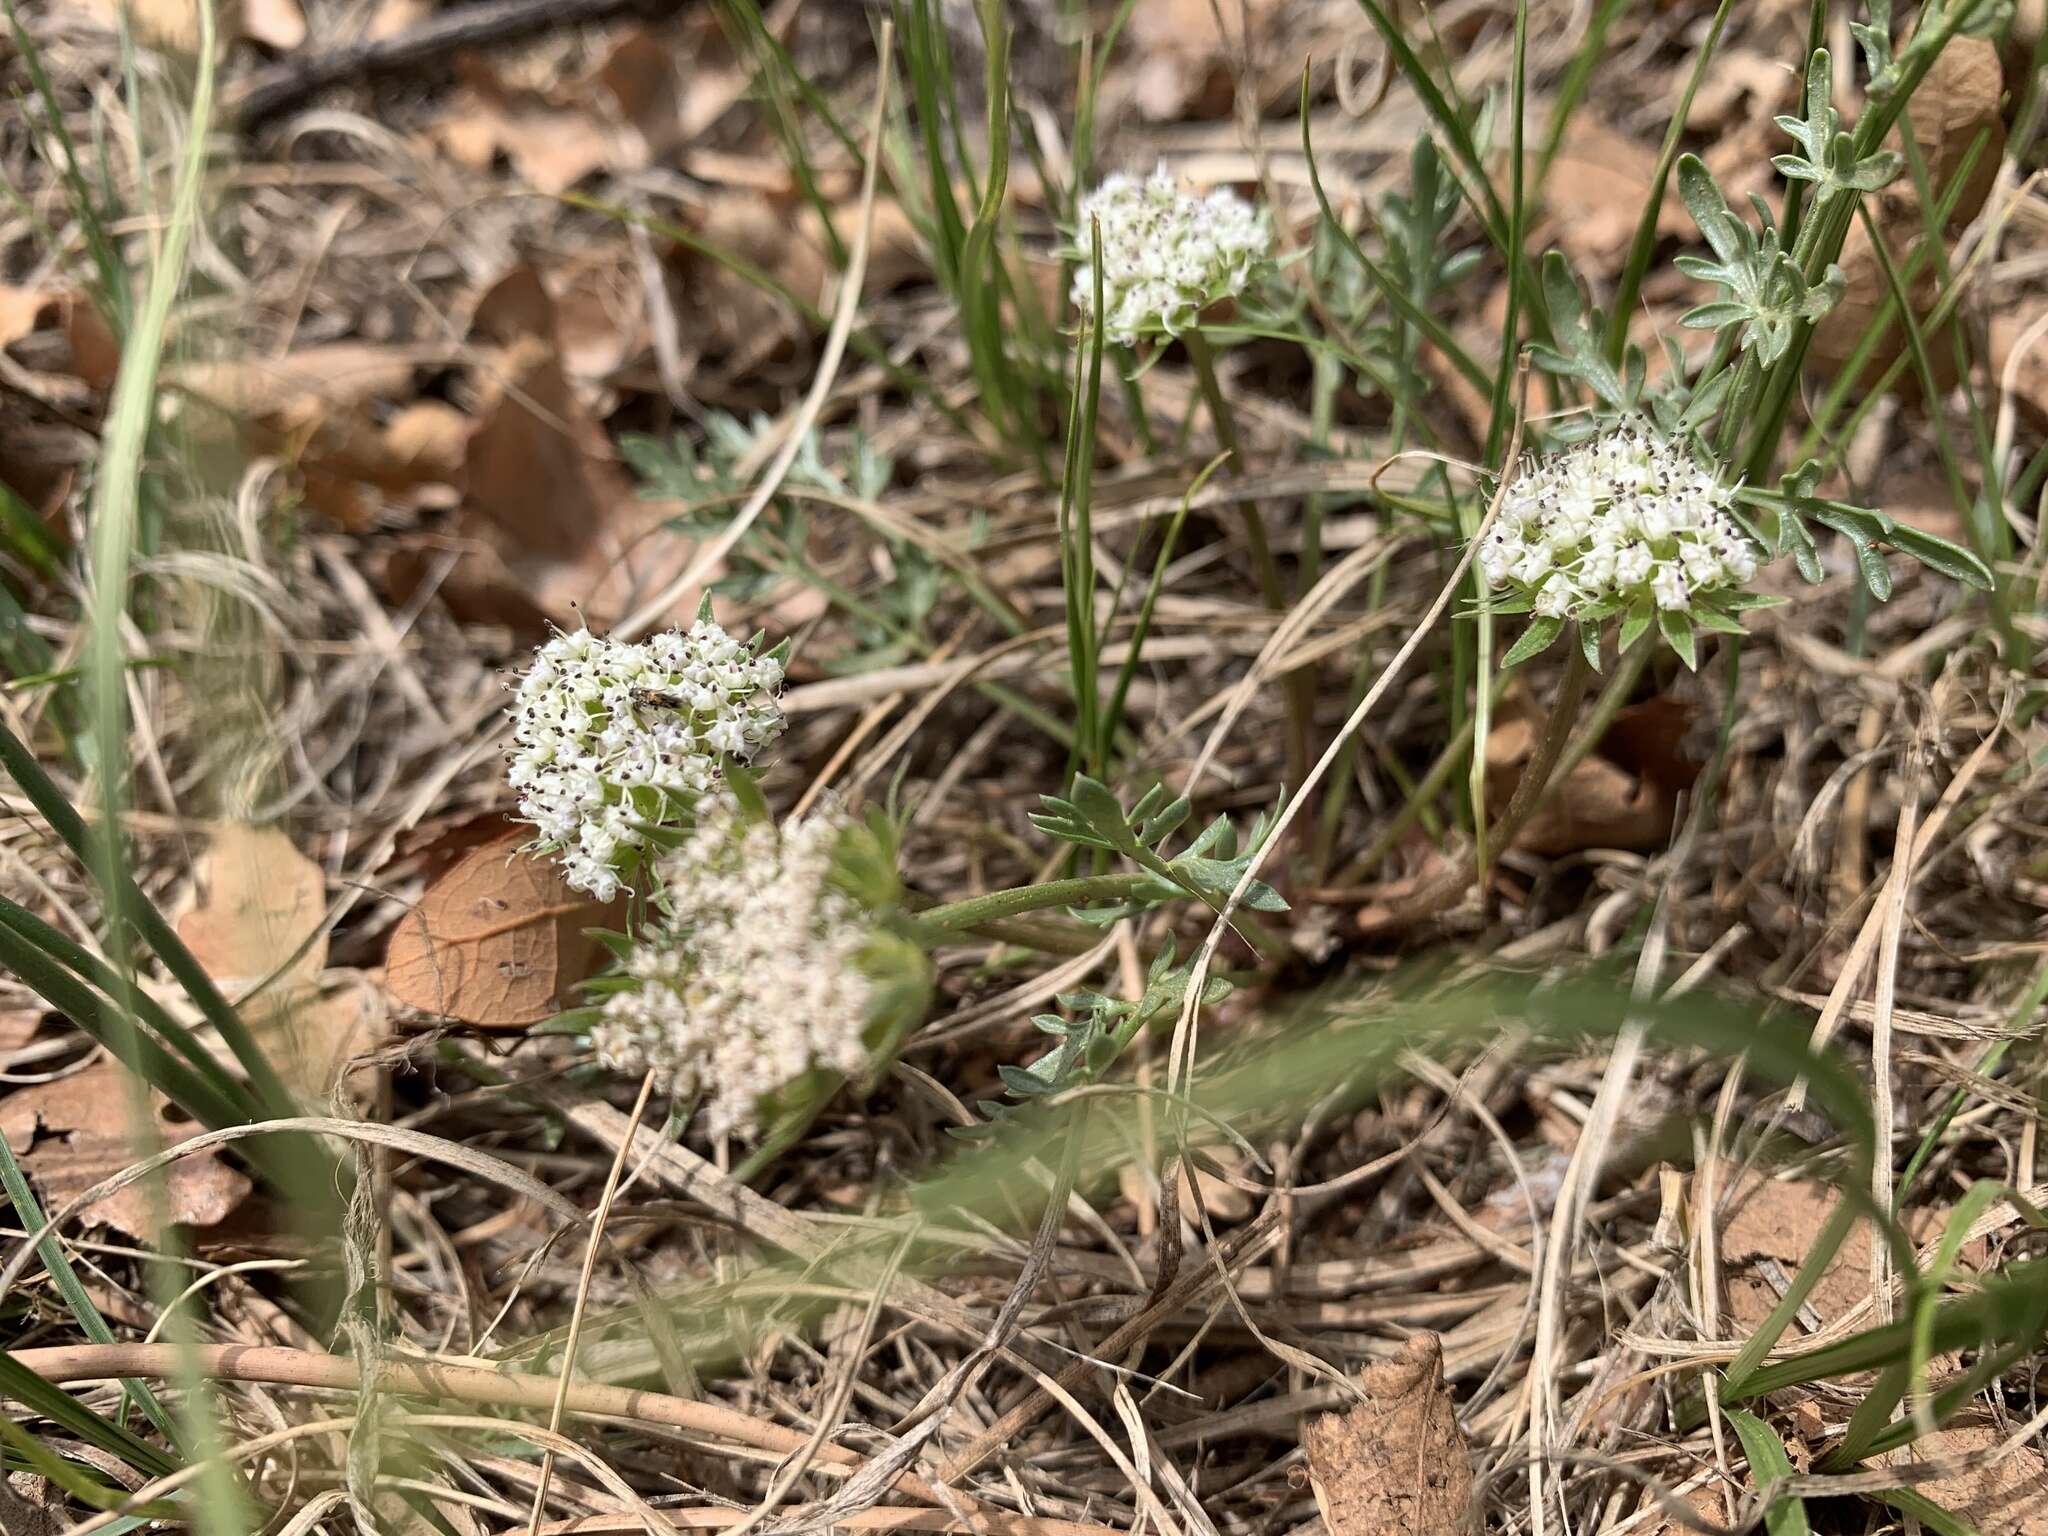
<point>2003,1498</point>
<point>498,941</point>
<point>278,24</point>
<point>1598,184</point>
<point>1622,795</point>
<point>259,917</point>
<point>621,116</point>
<point>1957,103</point>
<point>1181,65</point>
<point>549,529</point>
<point>22,311</point>
<point>1396,1462</point>
<point>318,410</point>
<point>259,910</point>
<point>72,1133</point>
<point>68,338</point>
<point>724,315</point>
<point>18,1026</point>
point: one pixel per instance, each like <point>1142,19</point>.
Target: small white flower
<point>609,739</point>
<point>1633,564</point>
<point>1626,522</point>
<point>752,975</point>
<point>1166,254</point>
<point>1555,598</point>
<point>1534,564</point>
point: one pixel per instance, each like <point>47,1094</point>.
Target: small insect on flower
<point>1166,254</point>
<point>613,743</point>
<point>1626,524</point>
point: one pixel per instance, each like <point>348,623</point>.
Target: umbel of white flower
<point>1166,254</point>
<point>753,974</point>
<point>1626,522</point>
<point>612,742</point>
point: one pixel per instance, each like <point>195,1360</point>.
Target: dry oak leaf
<point>1397,1462</point>
<point>72,1133</point>
<point>1622,796</point>
<point>499,941</point>
<point>2005,1498</point>
<point>259,911</point>
<point>259,919</point>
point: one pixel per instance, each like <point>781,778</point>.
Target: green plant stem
<point>1300,687</point>
<point>1988,1063</point>
<point>1225,422</point>
<point>1543,761</point>
<point>1435,780</point>
<point>1627,673</point>
<point>119,891</point>
<point>973,911</point>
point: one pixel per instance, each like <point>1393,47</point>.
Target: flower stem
<point>972,912</point>
<point>1300,686</point>
<point>1226,433</point>
<point>1550,745</point>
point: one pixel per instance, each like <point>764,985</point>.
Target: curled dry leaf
<point>1397,1461</point>
<point>259,920</point>
<point>499,941</point>
<point>1623,795</point>
<point>549,529</point>
<point>72,1133</point>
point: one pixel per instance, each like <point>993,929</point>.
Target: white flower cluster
<point>753,975</point>
<point>1623,521</point>
<point>1166,254</point>
<point>610,740</point>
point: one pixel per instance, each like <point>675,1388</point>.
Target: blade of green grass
<point>111,292</point>
<point>1112,718</point>
<point>121,897</point>
<point>1077,533</point>
<point>1768,1463</point>
<point>1644,243</point>
<point>57,1264</point>
<point>1573,86</point>
<point>74,1418</point>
